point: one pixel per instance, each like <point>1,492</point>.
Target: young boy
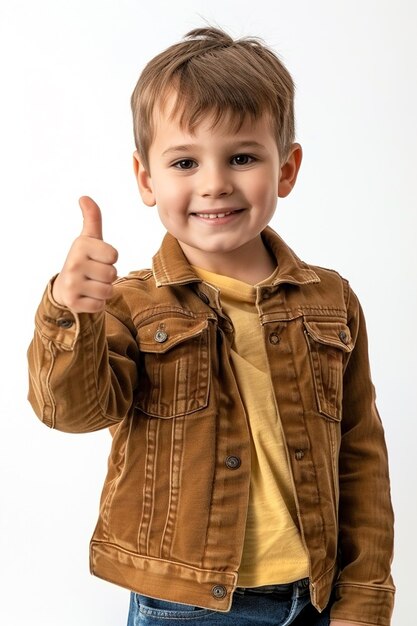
<point>248,479</point>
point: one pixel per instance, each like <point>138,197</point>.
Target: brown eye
<point>185,164</point>
<point>242,159</point>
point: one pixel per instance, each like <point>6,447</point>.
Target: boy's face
<point>216,190</point>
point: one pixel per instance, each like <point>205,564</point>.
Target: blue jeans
<point>273,605</point>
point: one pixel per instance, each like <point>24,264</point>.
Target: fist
<point>85,282</point>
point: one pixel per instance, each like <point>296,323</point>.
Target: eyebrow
<point>234,146</point>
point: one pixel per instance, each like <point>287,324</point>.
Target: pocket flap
<point>160,335</point>
<point>334,334</point>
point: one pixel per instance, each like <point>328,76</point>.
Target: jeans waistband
<point>286,589</point>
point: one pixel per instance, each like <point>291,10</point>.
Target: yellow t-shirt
<point>273,551</point>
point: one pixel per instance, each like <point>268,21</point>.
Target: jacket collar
<point>170,267</point>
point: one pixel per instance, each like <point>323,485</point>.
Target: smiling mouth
<point>214,216</point>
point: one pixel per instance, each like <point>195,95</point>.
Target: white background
<point>67,69</point>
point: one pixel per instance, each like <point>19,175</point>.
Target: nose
<point>215,182</point>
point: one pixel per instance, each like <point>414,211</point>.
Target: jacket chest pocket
<point>328,344</point>
<point>175,367</point>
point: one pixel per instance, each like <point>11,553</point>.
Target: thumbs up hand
<point>85,281</point>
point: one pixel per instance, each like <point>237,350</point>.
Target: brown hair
<point>210,72</point>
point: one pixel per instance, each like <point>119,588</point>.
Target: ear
<point>289,170</point>
<point>144,181</point>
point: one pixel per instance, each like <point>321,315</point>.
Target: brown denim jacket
<point>156,368</point>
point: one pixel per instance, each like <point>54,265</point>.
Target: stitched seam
<point>371,587</point>
<point>142,531</point>
<point>48,386</point>
<point>163,547</point>
<point>152,498</point>
<point>312,458</point>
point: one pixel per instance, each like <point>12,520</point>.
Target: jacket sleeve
<point>82,367</point>
<point>364,590</point>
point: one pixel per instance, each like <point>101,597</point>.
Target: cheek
<point>169,190</point>
<point>263,192</point>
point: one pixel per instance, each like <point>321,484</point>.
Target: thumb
<point>92,226</point>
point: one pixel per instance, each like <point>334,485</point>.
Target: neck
<point>251,264</point>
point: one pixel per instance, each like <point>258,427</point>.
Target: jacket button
<point>65,322</point>
<point>299,454</point>
<point>274,338</point>
<point>219,592</point>
<point>343,336</point>
<point>203,297</point>
<point>233,462</point>
<point>160,336</point>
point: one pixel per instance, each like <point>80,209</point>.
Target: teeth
<point>212,216</point>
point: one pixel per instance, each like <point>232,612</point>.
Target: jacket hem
<point>321,588</point>
<point>162,579</point>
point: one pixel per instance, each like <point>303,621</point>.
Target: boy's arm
<point>82,367</point>
<point>364,589</point>
<point>83,364</point>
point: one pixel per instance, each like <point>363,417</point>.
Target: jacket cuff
<point>57,323</point>
<point>363,605</point>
